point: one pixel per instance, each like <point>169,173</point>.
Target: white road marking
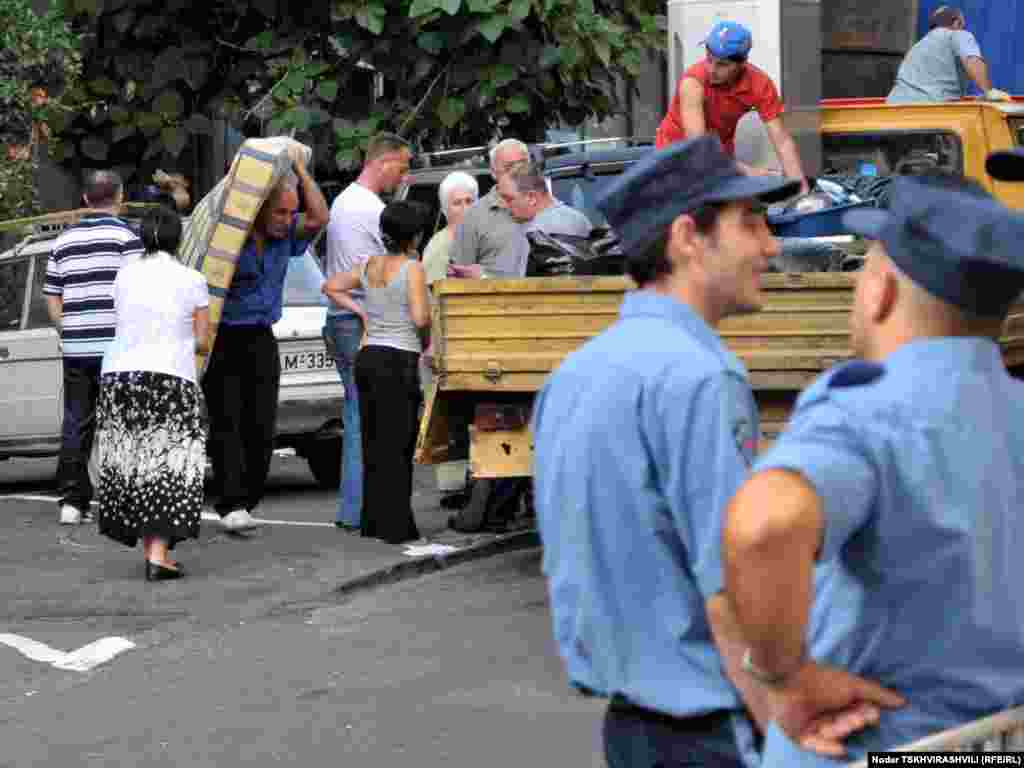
<point>82,660</point>
<point>210,517</point>
<point>213,517</point>
<point>422,550</point>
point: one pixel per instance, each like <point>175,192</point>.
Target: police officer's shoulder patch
<point>856,373</point>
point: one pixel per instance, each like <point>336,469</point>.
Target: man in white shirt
<point>353,236</point>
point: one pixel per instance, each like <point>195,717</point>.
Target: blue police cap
<point>680,178</point>
<point>729,40</point>
<point>961,248</point>
<point>1006,166</point>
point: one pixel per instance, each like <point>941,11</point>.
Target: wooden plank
<point>533,285</point>
<point>432,440</point>
<point>504,453</point>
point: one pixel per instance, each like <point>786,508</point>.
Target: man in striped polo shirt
<point>80,299</point>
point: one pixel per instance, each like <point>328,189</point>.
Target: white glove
<point>994,94</point>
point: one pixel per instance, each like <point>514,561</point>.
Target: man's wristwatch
<point>772,679</point>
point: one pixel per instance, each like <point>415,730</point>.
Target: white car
<point>31,380</point>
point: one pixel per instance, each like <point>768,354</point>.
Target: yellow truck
<point>496,340</point>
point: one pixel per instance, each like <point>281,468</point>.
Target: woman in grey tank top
<point>397,319</point>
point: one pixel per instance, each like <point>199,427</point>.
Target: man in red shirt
<point>715,93</point>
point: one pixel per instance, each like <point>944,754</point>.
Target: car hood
<point>300,323</point>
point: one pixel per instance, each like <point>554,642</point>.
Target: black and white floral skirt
<point>151,456</point>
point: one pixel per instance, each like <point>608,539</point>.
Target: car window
<point>13,277</point>
<point>426,194</point>
<point>303,281</point>
<point>1017,127</point>
<point>38,317</point>
<point>883,153</point>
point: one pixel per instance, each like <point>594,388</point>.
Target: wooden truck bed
<point>499,339</point>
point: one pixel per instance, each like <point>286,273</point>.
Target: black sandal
<point>158,572</point>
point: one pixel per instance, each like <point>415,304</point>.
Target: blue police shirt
<point>257,288</point>
<point>641,437</point>
<point>920,469</point>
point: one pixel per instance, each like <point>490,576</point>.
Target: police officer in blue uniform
<point>641,437</point>
<point>904,470</point>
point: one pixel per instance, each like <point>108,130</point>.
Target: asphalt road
<point>255,658</point>
<point>451,669</point>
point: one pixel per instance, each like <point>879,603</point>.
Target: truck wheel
<point>324,458</point>
<point>470,518</point>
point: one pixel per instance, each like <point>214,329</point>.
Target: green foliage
<point>39,61</point>
<point>453,71</point>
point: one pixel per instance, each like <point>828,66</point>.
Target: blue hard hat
<point>729,40</point>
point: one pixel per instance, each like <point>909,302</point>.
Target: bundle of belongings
<point>812,254</point>
<point>552,254</point>
<point>221,222</point>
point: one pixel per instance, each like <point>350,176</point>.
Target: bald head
<point>103,189</point>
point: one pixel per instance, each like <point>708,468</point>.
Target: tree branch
<point>416,111</point>
<point>266,96</point>
<point>265,54</point>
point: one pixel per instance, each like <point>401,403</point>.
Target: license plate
<point>306,360</point>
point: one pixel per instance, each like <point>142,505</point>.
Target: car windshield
<point>303,281</point>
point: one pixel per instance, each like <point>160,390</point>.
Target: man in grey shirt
<point>939,66</point>
<point>524,192</point>
<point>490,243</point>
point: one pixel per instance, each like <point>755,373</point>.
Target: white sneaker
<point>70,515</point>
<point>239,520</point>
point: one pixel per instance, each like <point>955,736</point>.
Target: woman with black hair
<point>150,430</point>
<point>396,318</point>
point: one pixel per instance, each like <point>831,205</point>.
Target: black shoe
<point>157,572</point>
<point>456,500</point>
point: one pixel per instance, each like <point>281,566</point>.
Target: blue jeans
<point>342,333</point>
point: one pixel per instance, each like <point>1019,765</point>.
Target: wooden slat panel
<point>518,331</point>
<point>496,327</point>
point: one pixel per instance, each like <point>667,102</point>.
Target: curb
<point>421,566</point>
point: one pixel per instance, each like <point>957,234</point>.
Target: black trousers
<point>81,391</point>
<point>389,399</point>
<point>241,387</point>
<point>639,738</point>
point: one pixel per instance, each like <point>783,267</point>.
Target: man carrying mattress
<point>244,372</point>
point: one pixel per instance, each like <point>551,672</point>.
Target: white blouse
<point>155,299</point>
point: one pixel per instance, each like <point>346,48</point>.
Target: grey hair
<point>456,180</point>
<point>508,144</point>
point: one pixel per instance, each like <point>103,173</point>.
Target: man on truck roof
<point>938,67</point>
<point>714,94</point>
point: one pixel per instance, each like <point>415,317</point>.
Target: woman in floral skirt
<point>151,432</point>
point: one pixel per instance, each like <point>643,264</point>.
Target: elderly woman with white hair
<point>457,192</point>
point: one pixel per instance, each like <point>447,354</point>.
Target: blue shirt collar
<point>960,352</point>
<point>647,303</point>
